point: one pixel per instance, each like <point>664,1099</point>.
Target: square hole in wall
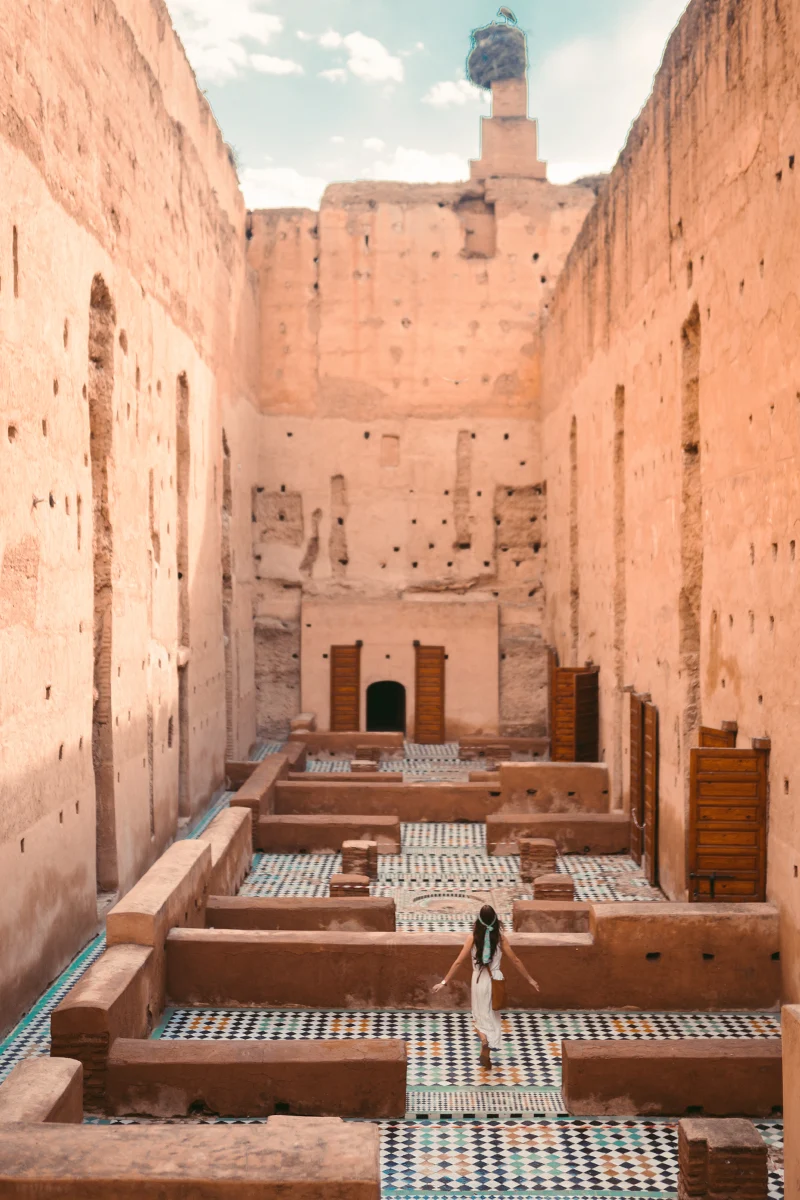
<point>390,450</point>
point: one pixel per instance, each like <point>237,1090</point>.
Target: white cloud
<point>367,58</point>
<point>589,90</point>
<point>331,40</point>
<point>281,187</point>
<point>269,65</point>
<point>454,92</point>
<point>305,37</point>
<point>338,140</point>
<point>419,166</point>
<point>376,144</point>
<point>370,60</point>
<point>214,34</point>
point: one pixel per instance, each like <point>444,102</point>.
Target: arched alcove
<point>386,707</point>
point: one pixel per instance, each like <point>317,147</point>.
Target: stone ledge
<point>299,834</point>
<point>115,998</point>
<point>358,1079</point>
<point>573,833</point>
<point>230,836</point>
<point>720,1077</point>
<point>287,1159</point>
<point>375,914</point>
<point>43,1090</point>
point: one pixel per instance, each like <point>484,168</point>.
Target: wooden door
<point>587,715</point>
<point>345,688</point>
<point>429,720</point>
<point>650,751</point>
<point>637,777</point>
<point>728,825</point>
<point>575,729</point>
<point>719,739</point>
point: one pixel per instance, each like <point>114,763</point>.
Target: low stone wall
<point>43,1090</point>
<point>348,743</point>
<point>257,792</point>
<point>346,777</point>
<point>573,833</point>
<point>493,745</point>
<point>324,834</point>
<point>171,895</point>
<point>718,1077</point>
<point>117,997</point>
<point>359,1079</point>
<point>230,836</point>
<point>407,801</point>
<point>647,956</point>
<point>551,916</point>
<point>369,914</point>
<point>289,1158</point>
<point>554,787</point>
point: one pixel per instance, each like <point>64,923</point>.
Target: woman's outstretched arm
<point>465,949</point>
<point>517,962</point>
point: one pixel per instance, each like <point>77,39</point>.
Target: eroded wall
<point>399,386</point>
<point>127,325</point>
<point>672,347</point>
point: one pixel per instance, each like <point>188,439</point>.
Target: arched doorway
<point>386,707</point>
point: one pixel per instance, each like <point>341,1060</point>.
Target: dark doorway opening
<point>386,707</point>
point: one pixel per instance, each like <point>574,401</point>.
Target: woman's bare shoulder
<point>468,941</point>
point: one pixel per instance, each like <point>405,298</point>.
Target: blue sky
<point>310,92</point>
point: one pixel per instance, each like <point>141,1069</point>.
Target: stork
<point>507,15</point>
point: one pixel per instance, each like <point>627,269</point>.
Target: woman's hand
<point>534,984</point>
<point>438,987</point>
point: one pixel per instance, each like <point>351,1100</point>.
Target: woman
<point>486,944</point>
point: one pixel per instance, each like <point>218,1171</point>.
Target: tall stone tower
<point>498,62</point>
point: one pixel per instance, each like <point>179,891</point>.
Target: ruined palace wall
<point>118,190</point>
<point>673,523</point>
<point>399,387</point>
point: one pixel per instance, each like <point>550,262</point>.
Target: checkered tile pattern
<point>449,862</point>
<point>536,1158</point>
<point>438,836</point>
<point>31,1037</point>
<point>443,1049</point>
<point>567,1158</point>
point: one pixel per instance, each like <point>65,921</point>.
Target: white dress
<point>487,1021</point>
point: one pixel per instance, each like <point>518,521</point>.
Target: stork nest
<point>498,52</point>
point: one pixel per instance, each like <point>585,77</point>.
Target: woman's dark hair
<point>487,917</point>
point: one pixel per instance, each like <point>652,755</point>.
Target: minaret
<point>509,139</point>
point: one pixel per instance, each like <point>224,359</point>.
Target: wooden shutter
<point>720,739</point>
<point>429,722</point>
<point>637,777</point>
<point>587,715</point>
<point>575,730</point>
<point>345,688</point>
<point>650,751</point>
<point>728,825</point>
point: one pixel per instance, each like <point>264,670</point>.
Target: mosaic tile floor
<point>468,1133</point>
<point>442,1048</point>
<point>444,874</point>
<point>568,1158</point>
<point>543,1158</point>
